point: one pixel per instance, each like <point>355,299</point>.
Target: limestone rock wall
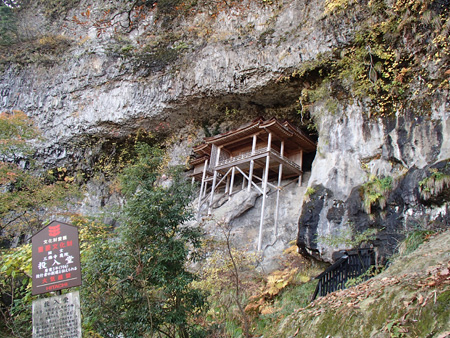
<point>352,151</point>
<point>93,88</point>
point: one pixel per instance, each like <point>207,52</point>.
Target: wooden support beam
<point>263,203</point>
<point>252,164</point>
<point>211,199</point>
<point>301,167</point>
<point>253,183</point>
<point>213,187</point>
<point>233,170</point>
<point>264,195</point>
<point>201,188</point>
<point>280,175</point>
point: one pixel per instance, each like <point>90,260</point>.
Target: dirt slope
<point>411,298</point>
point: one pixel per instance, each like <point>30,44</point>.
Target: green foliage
<point>371,272</point>
<point>378,68</point>
<point>8,28</point>
<point>157,57</point>
<point>143,267</point>
<point>27,195</point>
<point>434,184</point>
<point>335,5</point>
<point>295,295</point>
<point>375,192</point>
<point>413,240</point>
<point>206,126</point>
<point>228,276</point>
<point>309,191</point>
<point>15,287</point>
<point>16,132</point>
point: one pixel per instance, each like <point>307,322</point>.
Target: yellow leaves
<point>278,280</point>
<point>335,5</point>
<point>17,260</point>
<point>402,74</point>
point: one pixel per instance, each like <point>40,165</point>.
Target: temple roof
<point>280,130</point>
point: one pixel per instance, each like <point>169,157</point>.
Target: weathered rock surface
<point>94,91</point>
<point>353,148</point>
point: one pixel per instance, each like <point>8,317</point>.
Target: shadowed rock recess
<point>382,134</point>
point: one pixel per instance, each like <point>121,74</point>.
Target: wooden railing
<point>351,265</point>
<point>257,152</point>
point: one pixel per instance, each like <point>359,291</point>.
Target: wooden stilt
<point>233,170</point>
<point>250,175</point>
<point>201,188</point>
<point>301,167</point>
<point>211,199</point>
<point>213,187</point>
<point>205,190</point>
<point>252,164</point>
<point>264,195</point>
<point>280,175</point>
<point>263,204</point>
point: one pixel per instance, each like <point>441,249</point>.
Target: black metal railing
<point>351,265</point>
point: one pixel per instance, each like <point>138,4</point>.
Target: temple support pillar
<point>252,164</point>
<point>200,196</point>
<point>214,182</point>
<point>264,195</point>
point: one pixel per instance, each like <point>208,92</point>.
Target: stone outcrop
<point>355,150</point>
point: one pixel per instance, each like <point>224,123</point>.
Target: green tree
<point>28,196</point>
<point>8,28</point>
<point>136,284</point>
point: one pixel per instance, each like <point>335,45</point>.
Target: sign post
<point>56,258</point>
<point>56,266</point>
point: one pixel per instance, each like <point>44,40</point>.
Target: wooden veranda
<point>259,152</point>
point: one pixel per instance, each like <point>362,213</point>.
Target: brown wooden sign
<point>56,258</point>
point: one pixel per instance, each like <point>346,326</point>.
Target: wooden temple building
<point>257,154</point>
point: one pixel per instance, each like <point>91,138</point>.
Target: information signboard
<point>57,317</point>
<point>55,258</point>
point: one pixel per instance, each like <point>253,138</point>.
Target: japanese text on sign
<point>57,317</point>
<point>56,258</point>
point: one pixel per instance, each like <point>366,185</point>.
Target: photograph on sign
<point>57,317</point>
<point>55,258</point>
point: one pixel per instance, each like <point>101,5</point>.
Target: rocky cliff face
<point>354,155</point>
<point>85,78</point>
